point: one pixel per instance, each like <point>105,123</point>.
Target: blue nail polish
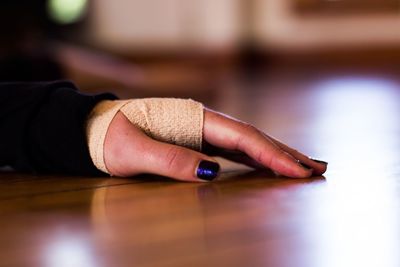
<point>305,166</point>
<point>207,170</point>
<point>320,161</point>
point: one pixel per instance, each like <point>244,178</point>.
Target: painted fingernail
<point>319,161</point>
<point>207,170</point>
<point>305,166</point>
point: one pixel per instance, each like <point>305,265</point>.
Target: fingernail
<point>207,170</point>
<point>319,161</point>
<point>305,166</point>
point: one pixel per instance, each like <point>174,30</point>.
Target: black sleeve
<point>42,127</point>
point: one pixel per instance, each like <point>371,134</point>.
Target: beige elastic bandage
<point>171,120</point>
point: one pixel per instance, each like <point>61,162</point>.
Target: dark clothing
<point>42,127</point>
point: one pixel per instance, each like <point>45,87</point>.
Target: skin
<point>128,151</point>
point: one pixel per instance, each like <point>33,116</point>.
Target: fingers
<point>235,156</point>
<point>228,133</point>
<point>128,151</point>
<point>319,167</point>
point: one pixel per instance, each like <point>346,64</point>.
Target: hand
<point>128,151</point>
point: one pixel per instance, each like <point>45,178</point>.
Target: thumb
<point>128,151</point>
<point>177,162</point>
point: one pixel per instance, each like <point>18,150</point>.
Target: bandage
<point>171,120</point>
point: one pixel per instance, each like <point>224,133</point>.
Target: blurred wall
<point>278,26</point>
<point>165,24</point>
<point>172,25</point>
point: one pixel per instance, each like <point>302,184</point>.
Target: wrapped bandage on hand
<point>170,120</point>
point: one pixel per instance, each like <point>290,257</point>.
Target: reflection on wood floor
<point>350,217</point>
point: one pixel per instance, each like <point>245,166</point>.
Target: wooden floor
<point>350,217</point>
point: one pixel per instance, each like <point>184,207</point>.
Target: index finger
<point>228,133</point>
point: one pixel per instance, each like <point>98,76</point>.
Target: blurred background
<point>194,48</point>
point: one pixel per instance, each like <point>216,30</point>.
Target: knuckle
<point>259,157</point>
<point>270,161</point>
<point>172,157</point>
<point>274,158</point>
<point>294,151</point>
<point>249,128</point>
<point>246,132</point>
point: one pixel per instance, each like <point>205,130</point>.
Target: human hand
<point>128,151</point>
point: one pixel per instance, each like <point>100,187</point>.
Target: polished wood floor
<point>350,217</point>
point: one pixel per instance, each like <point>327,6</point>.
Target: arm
<point>42,127</point>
